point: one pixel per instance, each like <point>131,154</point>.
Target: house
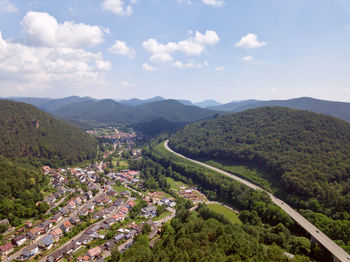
<point>110,221</point>
<point>71,204</point>
<point>46,225</point>
<point>131,234</point>
<point>107,200</point>
<point>6,249</point>
<point>57,218</point>
<point>168,202</point>
<point>92,229</point>
<point>20,240</point>
<point>46,169</point>
<point>83,212</point>
<point>94,252</point>
<point>135,180</point>
<point>78,201</point>
<point>74,220</point>
<point>84,239</point>
<point>118,202</point>
<point>55,256</point>
<point>66,226</point>
<point>34,232</point>
<point>46,242</point>
<point>72,247</point>
<point>110,210</point>
<point>149,211</point>
<point>130,203</point>
<point>119,237</point>
<point>139,228</point>
<point>89,194</point>
<point>111,193</point>
<point>56,233</point>
<point>99,215</point>
<point>30,251</point>
<point>153,233</point>
<point>125,194</point>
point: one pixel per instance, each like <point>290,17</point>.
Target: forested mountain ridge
<point>110,112</point>
<point>26,131</point>
<point>307,152</point>
<point>333,108</point>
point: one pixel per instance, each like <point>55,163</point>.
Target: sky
<point>183,49</point>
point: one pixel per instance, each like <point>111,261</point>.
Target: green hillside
<point>110,112</point>
<point>306,152</point>
<point>26,131</point>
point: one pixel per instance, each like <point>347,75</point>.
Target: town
<point>95,209</point>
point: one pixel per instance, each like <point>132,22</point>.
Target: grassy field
<point>174,184</point>
<point>254,175</point>
<point>120,188</point>
<point>228,213</point>
<point>163,215</point>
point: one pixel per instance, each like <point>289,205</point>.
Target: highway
<point>324,240</point>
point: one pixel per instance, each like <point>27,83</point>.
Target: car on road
<point>317,231</point>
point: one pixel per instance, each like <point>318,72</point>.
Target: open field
<point>232,216</point>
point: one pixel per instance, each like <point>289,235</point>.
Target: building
<point>6,249</point>
<point>30,251</point>
<point>149,211</point>
<point>94,252</point>
<point>34,232</point>
<point>56,233</point>
<point>66,226</point>
<point>119,237</point>
<point>46,242</point>
<point>20,240</point>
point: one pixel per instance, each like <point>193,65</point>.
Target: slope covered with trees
<point>26,131</point>
<point>333,108</point>
<point>110,112</point>
<point>306,152</point>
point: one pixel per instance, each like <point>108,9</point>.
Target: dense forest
<point>306,152</point>
<point>21,186</point>
<point>26,131</point>
<point>268,231</point>
<point>109,112</point>
<point>191,237</point>
<point>30,138</point>
<point>332,108</point>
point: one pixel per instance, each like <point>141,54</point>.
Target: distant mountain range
<point>337,109</point>
<point>176,111</point>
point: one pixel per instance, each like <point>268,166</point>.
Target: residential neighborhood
<point>89,213</point>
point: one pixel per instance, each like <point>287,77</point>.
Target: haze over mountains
<point>176,111</point>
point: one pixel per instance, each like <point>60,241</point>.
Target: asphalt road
<point>324,240</point>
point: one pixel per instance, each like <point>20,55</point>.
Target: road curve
<point>324,240</point>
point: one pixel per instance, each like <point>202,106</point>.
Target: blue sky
<point>199,49</point>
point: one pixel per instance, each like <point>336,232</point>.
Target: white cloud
<point>190,64</point>
<point>161,57</point>
<point>127,84</point>
<point>118,7</point>
<point>42,29</point>
<point>219,68</point>
<point>152,45</point>
<point>7,6</point>
<point>148,67</point>
<point>247,58</point>
<point>250,41</point>
<point>46,66</point>
<point>120,48</point>
<point>216,3</point>
<point>195,45</point>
